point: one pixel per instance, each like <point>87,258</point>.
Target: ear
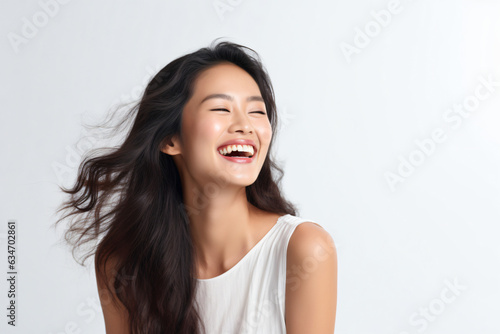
<point>172,146</point>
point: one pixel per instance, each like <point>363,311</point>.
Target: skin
<point>311,284</point>
<point>115,315</point>
<point>224,225</point>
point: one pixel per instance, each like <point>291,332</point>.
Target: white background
<point>347,121</point>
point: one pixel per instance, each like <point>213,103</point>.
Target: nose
<point>240,123</point>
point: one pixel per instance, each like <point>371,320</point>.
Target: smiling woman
<point>198,237</point>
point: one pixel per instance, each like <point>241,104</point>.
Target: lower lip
<point>238,160</point>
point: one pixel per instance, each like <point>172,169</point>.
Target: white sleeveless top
<point>250,297</point>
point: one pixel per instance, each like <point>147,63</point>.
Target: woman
<point>198,237</point>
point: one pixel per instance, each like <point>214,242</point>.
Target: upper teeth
<point>240,148</point>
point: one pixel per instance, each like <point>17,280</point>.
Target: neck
<point>221,227</point>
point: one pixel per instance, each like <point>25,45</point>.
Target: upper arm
<point>311,288</point>
<point>115,315</point>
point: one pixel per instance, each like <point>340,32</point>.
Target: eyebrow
<point>230,98</point>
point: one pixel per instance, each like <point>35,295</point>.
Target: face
<point>226,108</point>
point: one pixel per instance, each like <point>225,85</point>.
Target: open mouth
<point>237,151</point>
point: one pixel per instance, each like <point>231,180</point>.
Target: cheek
<point>203,133</point>
<point>265,133</point>
<point>208,129</point>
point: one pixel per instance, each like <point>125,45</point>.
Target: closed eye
<point>223,109</point>
<point>219,109</point>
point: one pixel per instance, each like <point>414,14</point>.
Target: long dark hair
<point>130,199</point>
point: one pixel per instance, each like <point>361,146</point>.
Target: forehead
<point>225,77</point>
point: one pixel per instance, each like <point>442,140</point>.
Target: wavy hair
<point>129,200</point>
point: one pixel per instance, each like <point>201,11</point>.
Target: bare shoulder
<point>307,239</point>
<point>311,287</point>
<point>114,312</point>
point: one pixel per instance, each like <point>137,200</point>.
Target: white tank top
<point>250,297</point>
